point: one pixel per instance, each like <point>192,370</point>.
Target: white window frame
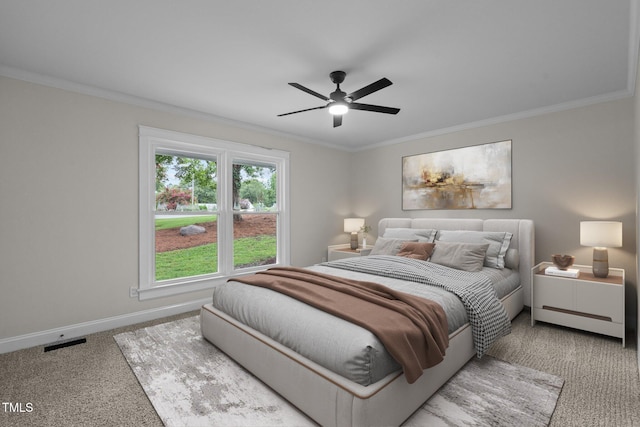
<point>152,141</point>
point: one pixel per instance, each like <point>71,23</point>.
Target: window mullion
<point>282,186</point>
<point>225,219</point>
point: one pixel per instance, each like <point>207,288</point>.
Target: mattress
<point>338,345</point>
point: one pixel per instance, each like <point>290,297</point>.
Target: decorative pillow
<point>420,234</point>
<point>416,250</point>
<point>512,259</point>
<point>498,243</point>
<point>463,256</point>
<point>385,246</point>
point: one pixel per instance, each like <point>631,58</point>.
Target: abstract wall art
<point>476,177</point>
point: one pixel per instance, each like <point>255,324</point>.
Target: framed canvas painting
<point>476,177</point>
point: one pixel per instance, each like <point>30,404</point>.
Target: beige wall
<point>566,167</point>
<point>69,216</point>
<point>69,172</point>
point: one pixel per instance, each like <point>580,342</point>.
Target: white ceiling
<point>453,64</point>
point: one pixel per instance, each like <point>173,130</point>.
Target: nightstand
<point>587,302</point>
<point>336,252</point>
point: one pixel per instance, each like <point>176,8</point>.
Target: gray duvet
<point>340,346</point>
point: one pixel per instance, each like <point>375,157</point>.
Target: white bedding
<point>346,349</point>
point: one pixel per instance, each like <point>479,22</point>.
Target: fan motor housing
<point>338,95</point>
<point>337,76</point>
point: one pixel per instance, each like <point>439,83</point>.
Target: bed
<point>338,393</point>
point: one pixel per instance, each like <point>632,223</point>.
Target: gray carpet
<point>190,382</point>
<point>92,385</point>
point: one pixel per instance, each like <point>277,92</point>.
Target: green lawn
<point>254,250</point>
<point>203,259</point>
<point>187,262</point>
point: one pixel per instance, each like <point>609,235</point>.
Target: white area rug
<point>191,383</point>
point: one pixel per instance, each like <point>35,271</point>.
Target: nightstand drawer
<point>552,292</point>
<point>600,299</point>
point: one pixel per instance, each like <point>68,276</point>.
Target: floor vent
<point>63,344</point>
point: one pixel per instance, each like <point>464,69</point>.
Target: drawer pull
<point>577,313</point>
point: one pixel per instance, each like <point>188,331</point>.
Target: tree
<point>270,197</point>
<point>163,163</point>
<point>253,190</point>
<point>237,171</point>
<point>172,197</point>
<point>200,175</point>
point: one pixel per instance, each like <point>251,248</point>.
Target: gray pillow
<point>498,243</point>
<point>463,256</point>
<point>386,246</point>
<point>421,234</point>
<point>512,259</point>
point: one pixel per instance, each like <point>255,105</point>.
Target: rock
<point>191,230</point>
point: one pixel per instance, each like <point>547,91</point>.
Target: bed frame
<point>332,400</point>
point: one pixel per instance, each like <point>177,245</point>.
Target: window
<point>209,210</point>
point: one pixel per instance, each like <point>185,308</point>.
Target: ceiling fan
<point>339,103</point>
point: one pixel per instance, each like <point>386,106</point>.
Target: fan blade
<point>380,84</point>
<point>374,108</point>
<point>337,120</point>
<point>309,91</point>
<point>302,111</point>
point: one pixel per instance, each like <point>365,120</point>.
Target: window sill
<point>160,291</point>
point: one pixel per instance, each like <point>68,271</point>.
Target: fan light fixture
<point>338,109</point>
<point>339,102</point>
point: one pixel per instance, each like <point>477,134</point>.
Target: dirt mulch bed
<point>250,226</point>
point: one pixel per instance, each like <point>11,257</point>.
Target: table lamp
<point>353,226</point>
<point>601,235</point>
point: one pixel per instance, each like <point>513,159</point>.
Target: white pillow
<point>385,246</point>
<point>421,234</point>
<point>498,243</point>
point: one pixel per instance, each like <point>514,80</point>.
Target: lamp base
<point>600,262</point>
<point>354,240</point>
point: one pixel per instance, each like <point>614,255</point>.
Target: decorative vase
<point>563,261</point>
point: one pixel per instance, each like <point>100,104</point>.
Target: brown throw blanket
<point>414,330</point>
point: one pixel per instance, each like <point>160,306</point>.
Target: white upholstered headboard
<point>522,229</point>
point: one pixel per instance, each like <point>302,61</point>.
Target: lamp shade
<point>602,234</point>
<point>353,225</point>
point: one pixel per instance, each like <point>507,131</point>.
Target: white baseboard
<point>73,331</point>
